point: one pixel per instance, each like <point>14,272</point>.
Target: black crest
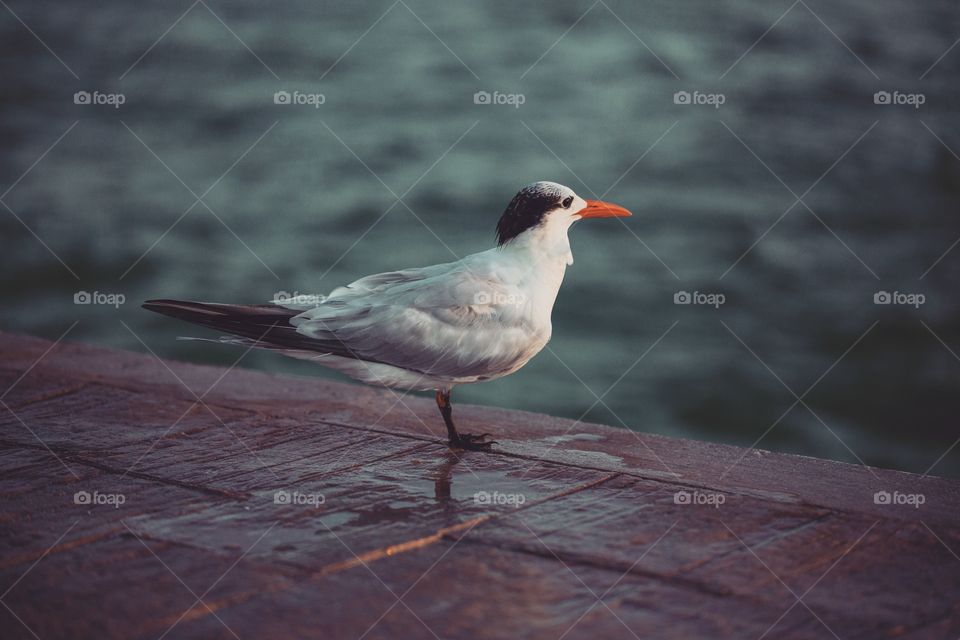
<point>527,209</point>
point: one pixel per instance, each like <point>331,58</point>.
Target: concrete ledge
<point>379,529</point>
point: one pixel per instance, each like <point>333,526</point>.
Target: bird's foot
<point>471,442</point>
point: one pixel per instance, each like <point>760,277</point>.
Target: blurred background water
<point>303,199</point>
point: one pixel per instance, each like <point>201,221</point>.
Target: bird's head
<point>549,204</point>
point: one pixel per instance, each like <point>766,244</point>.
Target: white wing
<point>453,320</point>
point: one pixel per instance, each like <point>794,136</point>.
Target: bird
<point>430,328</point>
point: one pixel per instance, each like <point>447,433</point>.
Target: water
<point>313,203</point>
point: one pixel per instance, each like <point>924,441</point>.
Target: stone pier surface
<point>144,498</point>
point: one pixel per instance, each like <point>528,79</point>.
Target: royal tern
<point>427,328</point>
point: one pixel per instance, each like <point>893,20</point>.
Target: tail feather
<point>267,325</point>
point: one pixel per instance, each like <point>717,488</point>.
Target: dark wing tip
<point>181,308</point>
<point>268,325</point>
<point>155,305</point>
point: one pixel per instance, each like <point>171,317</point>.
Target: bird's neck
<point>546,245</point>
<point>540,257</point>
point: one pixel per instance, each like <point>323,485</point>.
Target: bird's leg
<point>446,410</point>
<point>458,440</point>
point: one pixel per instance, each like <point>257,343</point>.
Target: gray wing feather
<point>444,320</point>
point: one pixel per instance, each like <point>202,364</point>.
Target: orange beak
<point>601,209</point>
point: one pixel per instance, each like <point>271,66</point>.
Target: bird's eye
<point>567,202</point>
